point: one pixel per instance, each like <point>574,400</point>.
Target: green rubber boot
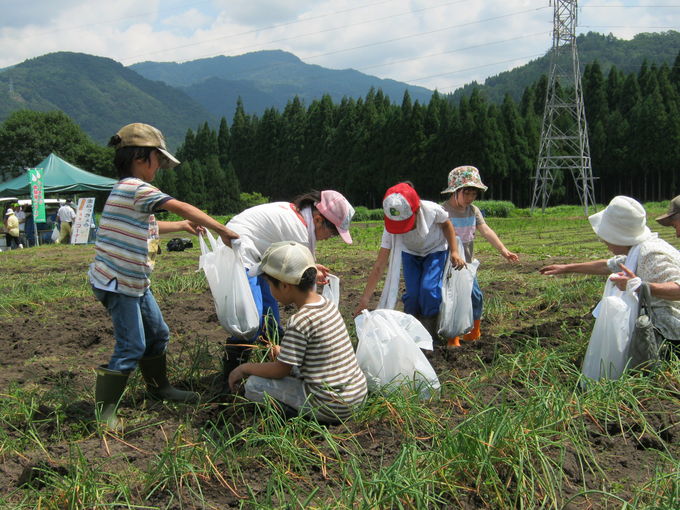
<point>108,391</point>
<point>155,373</point>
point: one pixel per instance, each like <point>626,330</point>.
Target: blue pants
<point>138,327</point>
<point>477,300</point>
<point>268,308</point>
<point>423,278</point>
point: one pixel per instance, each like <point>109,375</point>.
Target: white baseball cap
<point>287,261</point>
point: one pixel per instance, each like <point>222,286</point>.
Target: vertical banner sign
<point>35,183</point>
<point>80,230</point>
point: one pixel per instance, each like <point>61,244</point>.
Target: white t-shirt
<point>414,242</point>
<point>66,213</point>
<point>263,225</point>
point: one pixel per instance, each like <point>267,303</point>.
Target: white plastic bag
<point>331,290</point>
<point>234,302</point>
<point>55,234</point>
<point>607,353</point>
<point>389,351</point>
<point>455,312</point>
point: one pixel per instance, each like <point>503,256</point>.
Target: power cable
<point>279,25</point>
<point>457,50</point>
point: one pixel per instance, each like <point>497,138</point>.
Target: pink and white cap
<point>336,209</point>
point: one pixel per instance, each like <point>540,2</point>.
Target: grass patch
<point>511,429</point>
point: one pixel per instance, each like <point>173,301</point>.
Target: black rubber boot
<point>234,355</point>
<point>108,391</point>
<point>430,324</point>
<point>155,373</point>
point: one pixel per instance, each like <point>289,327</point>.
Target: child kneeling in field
<point>315,370</point>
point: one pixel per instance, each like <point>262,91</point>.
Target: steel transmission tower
<point>564,133</point>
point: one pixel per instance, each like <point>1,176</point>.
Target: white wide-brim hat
<point>622,223</point>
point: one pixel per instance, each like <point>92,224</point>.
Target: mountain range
<point>267,78</point>
<point>101,94</point>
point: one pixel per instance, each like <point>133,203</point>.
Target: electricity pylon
<point>564,133</point>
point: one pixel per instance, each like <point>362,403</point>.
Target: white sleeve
<point>386,241</point>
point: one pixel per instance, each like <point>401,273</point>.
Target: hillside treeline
<point>363,146</point>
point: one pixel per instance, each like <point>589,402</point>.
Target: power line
<point>419,34</point>
<point>305,20</point>
<point>457,50</point>
<point>475,67</point>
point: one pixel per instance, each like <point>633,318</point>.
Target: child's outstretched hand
<point>192,228</point>
<point>235,377</point>
<point>553,269</point>
<point>509,256</point>
<point>457,262</point>
<point>363,305</point>
<point>227,235</point>
<point>322,273</point>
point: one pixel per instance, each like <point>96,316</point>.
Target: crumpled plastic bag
<point>389,352</point>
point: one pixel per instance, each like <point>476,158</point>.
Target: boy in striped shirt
<point>315,371</point>
<point>127,243</point>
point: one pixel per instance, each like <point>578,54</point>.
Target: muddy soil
<point>56,347</point>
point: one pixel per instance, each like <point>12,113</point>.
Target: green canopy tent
<point>59,176</point>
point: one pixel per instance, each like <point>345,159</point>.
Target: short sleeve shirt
<point>413,242</point>
<point>466,222</point>
<point>316,341</point>
<point>262,225</point>
<point>127,238</point>
<point>66,213</point>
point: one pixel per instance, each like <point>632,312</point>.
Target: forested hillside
<point>100,94</point>
<point>362,147</point>
<point>626,55</point>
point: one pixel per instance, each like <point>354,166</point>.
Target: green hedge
<point>362,213</point>
<point>495,208</point>
<point>490,208</point>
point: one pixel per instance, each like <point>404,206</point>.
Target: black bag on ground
<point>177,244</point>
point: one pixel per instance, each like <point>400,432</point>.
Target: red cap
<point>400,206</point>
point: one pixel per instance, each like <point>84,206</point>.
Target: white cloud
<point>433,43</point>
<point>193,19</point>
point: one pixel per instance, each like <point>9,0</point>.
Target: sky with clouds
<point>439,44</point>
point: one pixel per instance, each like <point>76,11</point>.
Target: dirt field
<point>56,347</point>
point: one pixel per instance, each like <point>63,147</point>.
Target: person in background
<point>672,217</point>
<point>21,216</point>
<point>29,225</point>
<point>418,236</point>
<point>622,226</point>
<point>66,214</point>
<point>11,223</point>
<point>125,254</point>
<point>314,216</point>
<point>314,369</point>
<point>465,186</point>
